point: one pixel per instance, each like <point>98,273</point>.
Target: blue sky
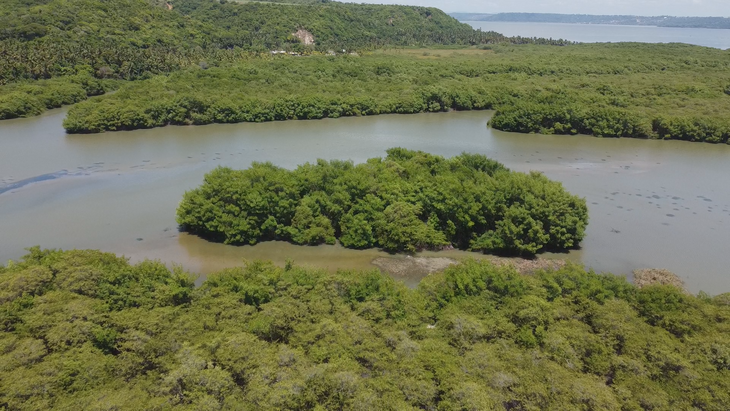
<point>637,7</point>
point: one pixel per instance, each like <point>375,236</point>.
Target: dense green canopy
<point>132,39</point>
<point>614,90</point>
<point>407,201</point>
<point>136,39</point>
<point>55,52</point>
<point>86,330</point>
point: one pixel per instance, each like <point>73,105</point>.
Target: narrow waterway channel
<point>660,204</point>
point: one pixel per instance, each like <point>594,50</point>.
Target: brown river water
<point>658,204</point>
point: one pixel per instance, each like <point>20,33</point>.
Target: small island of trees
<point>407,201</point>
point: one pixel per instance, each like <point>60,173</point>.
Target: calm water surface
<point>606,33</point>
<point>663,204</point>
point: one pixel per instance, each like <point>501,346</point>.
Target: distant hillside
<point>223,24</point>
<point>130,39</point>
<point>659,21</point>
<point>81,48</point>
<point>334,25</point>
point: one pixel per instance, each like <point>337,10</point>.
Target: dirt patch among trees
<point>413,266</point>
<point>305,36</point>
<point>649,276</point>
<point>410,266</point>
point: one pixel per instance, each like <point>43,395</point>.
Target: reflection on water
<point>660,204</point>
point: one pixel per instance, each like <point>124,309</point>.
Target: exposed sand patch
<point>649,276</point>
<point>305,36</point>
<point>419,267</point>
<point>413,266</point>
<point>409,266</point>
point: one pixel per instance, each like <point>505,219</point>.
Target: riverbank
<point>407,267</point>
<point>661,91</point>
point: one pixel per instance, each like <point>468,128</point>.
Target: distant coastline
<point>625,20</point>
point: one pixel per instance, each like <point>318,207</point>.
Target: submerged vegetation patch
<point>407,201</point>
<point>87,330</point>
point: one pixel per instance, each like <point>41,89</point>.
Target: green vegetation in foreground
<point>86,330</point>
<point>407,201</point>
<point>668,91</point>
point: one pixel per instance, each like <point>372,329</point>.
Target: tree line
<point>28,99</point>
<point>571,118</point>
<point>407,201</point>
<point>645,91</point>
<point>88,330</point>
<point>132,39</point>
<point>137,39</point>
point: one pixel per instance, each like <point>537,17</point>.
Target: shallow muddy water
<point>660,204</point>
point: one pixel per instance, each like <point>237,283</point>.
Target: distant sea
<point>604,33</point>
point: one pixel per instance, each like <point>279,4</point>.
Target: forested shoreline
<point>88,330</point>
<point>407,201</point>
<point>612,90</point>
<point>204,61</point>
